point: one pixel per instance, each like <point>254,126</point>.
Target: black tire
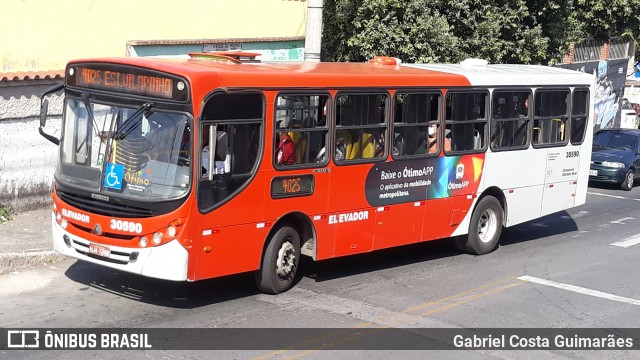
<point>627,183</point>
<point>283,249</point>
<point>484,229</point>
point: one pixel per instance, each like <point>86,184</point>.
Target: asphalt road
<point>574,269</point>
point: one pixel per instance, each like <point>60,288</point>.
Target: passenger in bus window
<point>286,150</point>
<point>380,145</point>
<point>432,139</point>
<point>341,147</point>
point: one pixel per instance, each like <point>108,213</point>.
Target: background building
<point>43,35</point>
<point>38,37</point>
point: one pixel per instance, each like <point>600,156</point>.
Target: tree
<point>500,31</point>
<point>432,30</point>
<point>497,31</point>
<point>604,19</point>
<point>413,30</point>
<point>559,24</point>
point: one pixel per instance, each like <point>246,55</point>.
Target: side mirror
<point>44,109</point>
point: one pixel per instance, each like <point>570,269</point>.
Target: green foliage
<point>387,25</point>
<point>602,19</point>
<point>5,215</point>
<point>557,19</point>
<point>500,31</point>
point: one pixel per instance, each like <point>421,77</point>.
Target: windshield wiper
<point>87,105</point>
<point>131,122</point>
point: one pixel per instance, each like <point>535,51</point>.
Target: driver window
<point>234,123</point>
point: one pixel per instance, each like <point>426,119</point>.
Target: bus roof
<point>508,74</point>
<point>343,75</point>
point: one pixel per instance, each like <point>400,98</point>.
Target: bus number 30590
<point>129,226</point>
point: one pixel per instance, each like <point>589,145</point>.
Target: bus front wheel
<point>484,229</point>
<point>280,261</point>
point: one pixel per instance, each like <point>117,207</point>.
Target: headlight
<point>157,238</point>
<point>613,164</point>
<point>171,231</point>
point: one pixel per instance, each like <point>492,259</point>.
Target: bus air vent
<point>227,56</point>
<point>100,207</point>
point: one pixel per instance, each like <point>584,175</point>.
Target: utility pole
<point>313,38</point>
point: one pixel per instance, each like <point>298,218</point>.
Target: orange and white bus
<point>169,168</point>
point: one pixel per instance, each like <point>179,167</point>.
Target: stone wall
<point>27,160</point>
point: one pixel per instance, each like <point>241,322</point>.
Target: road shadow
<point>207,292</point>
<point>380,260</point>
<point>550,225</point>
<point>174,294</point>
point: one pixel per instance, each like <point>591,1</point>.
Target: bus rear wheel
<point>280,261</point>
<point>484,229</point>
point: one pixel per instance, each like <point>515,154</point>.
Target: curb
<point>15,261</point>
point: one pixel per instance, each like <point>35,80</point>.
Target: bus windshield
<point>140,153</point>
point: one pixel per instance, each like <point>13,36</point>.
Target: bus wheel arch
<point>281,254</point>
<point>486,223</point>
<point>497,193</point>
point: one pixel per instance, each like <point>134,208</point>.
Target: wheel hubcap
<point>488,225</point>
<point>629,180</point>
<point>286,259</point>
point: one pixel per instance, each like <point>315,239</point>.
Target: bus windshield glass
<point>140,153</point>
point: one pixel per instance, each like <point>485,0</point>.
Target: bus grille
<point>102,208</point>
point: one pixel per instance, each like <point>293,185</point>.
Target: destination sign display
<point>128,80</point>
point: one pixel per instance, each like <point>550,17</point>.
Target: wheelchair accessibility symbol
<point>113,176</point>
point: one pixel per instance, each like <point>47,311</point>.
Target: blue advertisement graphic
<point>113,176</point>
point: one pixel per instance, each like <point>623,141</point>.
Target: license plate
<point>99,250</point>
<point>593,172</point>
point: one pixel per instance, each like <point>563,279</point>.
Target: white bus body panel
<point>535,182</point>
<point>520,180</point>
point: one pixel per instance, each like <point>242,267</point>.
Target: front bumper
<point>606,174</point>
<point>168,261</point>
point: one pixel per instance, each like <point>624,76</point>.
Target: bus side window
<point>466,118</point>
<point>416,125</point>
<point>361,122</point>
<point>551,115</point>
<point>510,119</point>
<point>303,118</point>
<point>579,114</point>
